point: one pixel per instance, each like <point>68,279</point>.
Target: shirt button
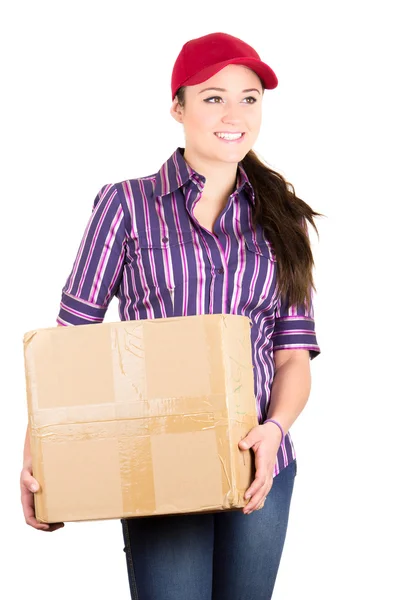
<point>221,271</point>
<point>165,240</point>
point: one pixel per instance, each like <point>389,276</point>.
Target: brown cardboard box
<point>140,417</point>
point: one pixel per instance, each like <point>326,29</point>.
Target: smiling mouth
<point>230,137</point>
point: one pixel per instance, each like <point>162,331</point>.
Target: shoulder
<point>136,181</point>
<point>125,191</point>
<point>136,188</point>
<point>133,197</point>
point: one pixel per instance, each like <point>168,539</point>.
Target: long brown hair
<point>283,217</point>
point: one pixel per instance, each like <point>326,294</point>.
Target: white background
<point>85,101</point>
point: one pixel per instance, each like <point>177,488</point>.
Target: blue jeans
<point>210,556</point>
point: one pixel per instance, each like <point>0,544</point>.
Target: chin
<point>232,155</point>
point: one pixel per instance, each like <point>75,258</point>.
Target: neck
<point>220,177</point>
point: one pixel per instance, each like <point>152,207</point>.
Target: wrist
<point>27,463</point>
<point>277,431</point>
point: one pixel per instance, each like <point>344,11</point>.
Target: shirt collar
<point>176,172</point>
<point>243,181</point>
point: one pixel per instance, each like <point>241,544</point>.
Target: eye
<point>253,100</point>
<point>212,98</point>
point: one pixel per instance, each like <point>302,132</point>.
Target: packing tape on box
<point>139,438</point>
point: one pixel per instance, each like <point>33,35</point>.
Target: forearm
<point>290,392</point>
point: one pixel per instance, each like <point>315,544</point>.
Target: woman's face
<point>230,102</point>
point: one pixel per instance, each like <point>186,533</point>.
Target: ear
<point>176,111</point>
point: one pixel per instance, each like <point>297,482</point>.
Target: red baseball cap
<point>202,57</point>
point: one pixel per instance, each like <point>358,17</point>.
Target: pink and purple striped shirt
<point>144,245</point>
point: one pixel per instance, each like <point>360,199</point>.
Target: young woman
<point>213,231</point>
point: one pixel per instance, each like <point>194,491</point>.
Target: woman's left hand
<point>265,441</point>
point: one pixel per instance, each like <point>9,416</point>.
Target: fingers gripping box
<point>140,418</point>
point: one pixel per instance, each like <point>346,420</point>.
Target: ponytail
<point>283,217</point>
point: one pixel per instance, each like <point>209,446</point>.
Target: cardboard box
<point>140,418</point>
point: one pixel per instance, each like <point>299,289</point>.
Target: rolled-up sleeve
<point>98,266</point>
<point>295,328</point>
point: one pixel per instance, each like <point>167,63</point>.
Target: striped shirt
<point>144,245</point>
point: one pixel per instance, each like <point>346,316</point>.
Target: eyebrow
<point>223,90</point>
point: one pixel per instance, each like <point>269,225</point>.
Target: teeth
<point>229,136</point>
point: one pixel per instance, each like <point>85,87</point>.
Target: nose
<point>232,115</point>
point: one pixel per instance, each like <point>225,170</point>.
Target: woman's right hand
<point>29,485</point>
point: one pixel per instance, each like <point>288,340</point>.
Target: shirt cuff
<point>294,333</point>
<point>76,311</point>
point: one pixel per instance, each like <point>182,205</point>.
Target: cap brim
<point>264,72</point>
